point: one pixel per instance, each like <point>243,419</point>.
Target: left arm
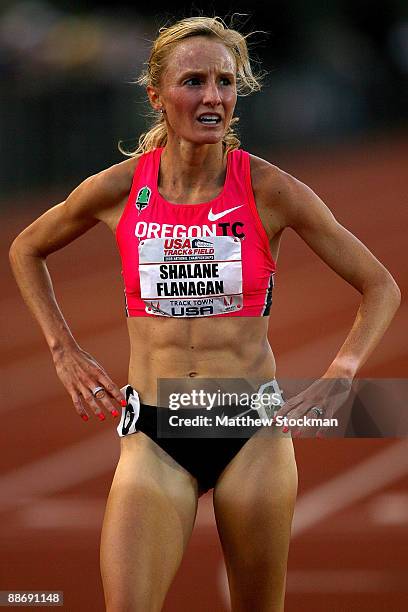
<point>283,201</point>
<point>302,210</point>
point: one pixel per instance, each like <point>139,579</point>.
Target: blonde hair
<point>169,36</point>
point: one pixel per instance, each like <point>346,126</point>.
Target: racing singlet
<point>194,260</point>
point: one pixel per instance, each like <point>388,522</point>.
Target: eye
<point>192,81</point>
<point>225,81</point>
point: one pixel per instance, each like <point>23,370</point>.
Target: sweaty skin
<point>222,347</point>
<point>238,347</point>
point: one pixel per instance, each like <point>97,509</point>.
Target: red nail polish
<point>85,417</point>
<point>101,416</point>
<point>285,429</point>
<point>115,413</point>
<point>123,403</point>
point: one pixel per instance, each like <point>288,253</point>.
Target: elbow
<point>13,250</point>
<point>383,284</point>
<point>16,248</point>
<point>391,289</point>
<point>396,292</point>
<point>20,247</point>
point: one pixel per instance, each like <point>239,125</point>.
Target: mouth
<point>209,119</point>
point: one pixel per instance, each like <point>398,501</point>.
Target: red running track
<point>349,548</point>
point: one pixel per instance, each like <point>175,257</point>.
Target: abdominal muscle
<point>235,347</point>
<point>208,347</point>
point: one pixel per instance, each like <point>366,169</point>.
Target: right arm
<point>92,201</point>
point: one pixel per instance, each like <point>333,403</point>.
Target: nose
<point>211,94</point>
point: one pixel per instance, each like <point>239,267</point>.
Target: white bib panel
<point>191,277</point>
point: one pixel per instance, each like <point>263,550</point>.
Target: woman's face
<point>197,90</point>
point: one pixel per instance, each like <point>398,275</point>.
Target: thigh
<point>149,518</point>
<point>254,502</point>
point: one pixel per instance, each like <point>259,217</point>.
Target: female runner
<point>187,192</point>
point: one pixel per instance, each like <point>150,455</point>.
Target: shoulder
<point>289,199</point>
<point>270,180</point>
<point>276,192</point>
<point>113,183</point>
<point>102,192</point>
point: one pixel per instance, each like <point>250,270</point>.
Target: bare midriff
<point>235,347</point>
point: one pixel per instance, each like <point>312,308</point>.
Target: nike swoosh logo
<point>215,216</point>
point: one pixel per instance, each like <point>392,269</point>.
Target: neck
<point>186,167</point>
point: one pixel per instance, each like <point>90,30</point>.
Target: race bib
<point>191,277</point>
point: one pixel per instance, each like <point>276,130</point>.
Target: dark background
<point>337,71</point>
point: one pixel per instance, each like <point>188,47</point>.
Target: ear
<point>154,97</point>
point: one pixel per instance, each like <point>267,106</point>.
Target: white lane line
<point>74,513</point>
<point>45,386</point>
<point>355,484</point>
<point>98,454</point>
<point>332,581</point>
<point>390,508</point>
<point>346,581</point>
<point>85,513</point>
<point>69,467</point>
<point>66,468</point>
<point>395,347</point>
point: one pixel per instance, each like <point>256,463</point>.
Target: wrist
<point>342,368</point>
<point>59,346</point>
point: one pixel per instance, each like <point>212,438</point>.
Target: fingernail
<point>285,429</point>
<point>123,403</point>
<point>101,416</point>
<point>85,417</point>
<point>115,413</point>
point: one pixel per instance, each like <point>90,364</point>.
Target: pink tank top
<point>194,260</point>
